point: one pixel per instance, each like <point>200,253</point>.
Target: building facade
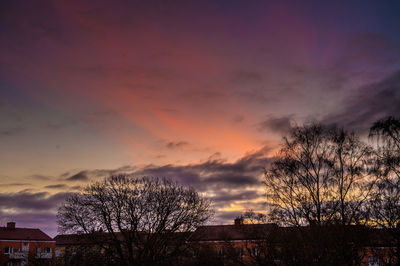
<point>25,246</point>
<point>260,244</point>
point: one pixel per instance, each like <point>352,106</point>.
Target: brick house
<point>25,246</point>
<point>259,244</point>
<point>268,244</point>
<point>76,249</point>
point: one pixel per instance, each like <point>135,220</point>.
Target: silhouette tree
<point>319,180</point>
<point>136,221</point>
<point>385,202</point>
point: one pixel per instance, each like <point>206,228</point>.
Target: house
<point>270,244</point>
<point>75,249</point>
<point>262,244</point>
<point>25,246</point>
<point>236,244</point>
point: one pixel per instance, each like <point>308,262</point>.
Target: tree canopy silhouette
<point>136,221</point>
<point>318,184</point>
<point>385,203</point>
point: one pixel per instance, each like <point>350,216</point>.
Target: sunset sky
<point>198,91</point>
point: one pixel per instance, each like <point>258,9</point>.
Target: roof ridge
<point>5,227</point>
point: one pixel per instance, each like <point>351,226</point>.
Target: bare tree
<point>386,200</point>
<point>136,221</point>
<point>320,179</point>
<point>351,163</point>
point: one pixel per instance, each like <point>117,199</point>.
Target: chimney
<point>238,221</point>
<point>11,225</point>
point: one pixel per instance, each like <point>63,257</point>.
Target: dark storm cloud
<point>281,125</point>
<point>214,173</point>
<point>372,102</point>
<point>26,200</point>
<point>177,144</point>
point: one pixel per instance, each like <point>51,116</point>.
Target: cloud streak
<point>32,209</point>
<point>224,183</point>
<point>177,144</point>
<point>33,202</point>
<point>86,175</point>
<point>371,102</point>
<point>281,125</point>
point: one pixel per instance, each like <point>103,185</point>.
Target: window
<point>373,261</point>
<point>196,253</point>
<point>255,252</point>
<point>8,250</point>
<point>8,263</point>
<point>25,247</point>
<point>47,250</point>
<point>38,250</point>
<point>239,252</point>
<point>221,252</point>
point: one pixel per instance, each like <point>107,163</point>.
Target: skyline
<point>200,92</point>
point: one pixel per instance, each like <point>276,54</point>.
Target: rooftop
<point>10,232</point>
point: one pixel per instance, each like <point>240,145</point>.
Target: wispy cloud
<point>281,125</point>
<point>12,131</point>
<point>370,103</point>
<point>56,186</point>
<point>81,176</point>
<point>16,184</point>
<point>86,175</point>
<point>40,177</point>
<point>31,202</point>
<point>177,144</point>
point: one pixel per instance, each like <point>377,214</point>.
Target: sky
<point>201,92</point>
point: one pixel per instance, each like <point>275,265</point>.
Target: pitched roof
<point>23,234</point>
<point>71,239</point>
<point>234,232</point>
<point>90,239</point>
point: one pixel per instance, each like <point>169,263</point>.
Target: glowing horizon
<point>198,91</point>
